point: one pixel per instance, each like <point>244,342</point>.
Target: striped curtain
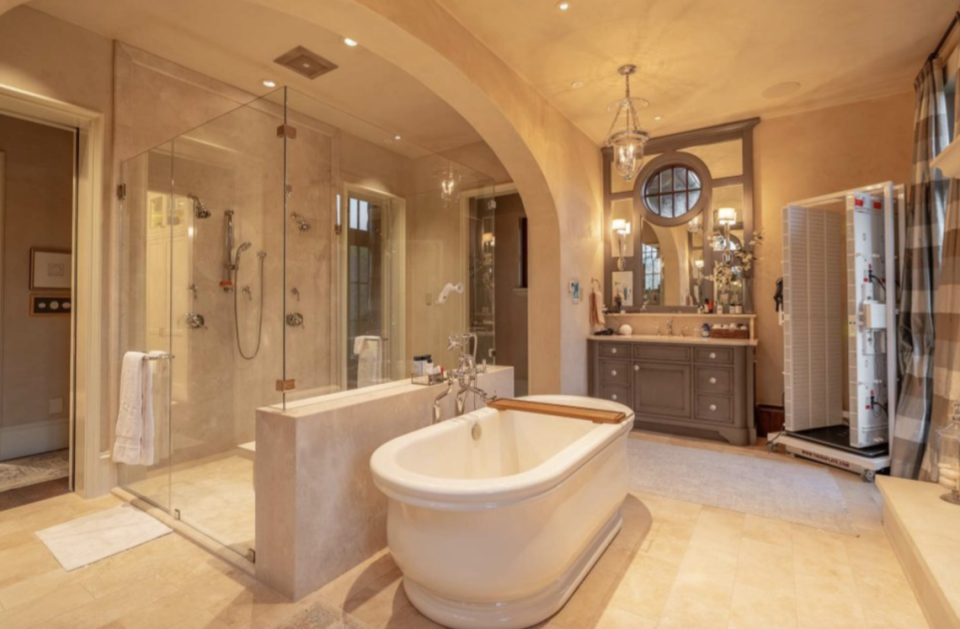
<point>946,360</point>
<point>924,215</point>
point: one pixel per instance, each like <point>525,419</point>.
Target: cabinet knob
<point>713,354</point>
<point>613,350</point>
<point>713,380</point>
<point>613,397</point>
<point>636,367</point>
<point>613,372</point>
<point>713,407</point>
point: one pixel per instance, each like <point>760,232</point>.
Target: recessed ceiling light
<point>563,5</point>
<point>397,137</point>
<point>576,85</point>
<point>269,83</point>
<point>658,118</point>
<point>350,42</point>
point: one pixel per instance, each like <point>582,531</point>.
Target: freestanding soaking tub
<point>495,517</point>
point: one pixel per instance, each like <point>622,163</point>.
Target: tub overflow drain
<point>476,432</point>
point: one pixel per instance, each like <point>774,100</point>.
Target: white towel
<point>134,444</point>
<point>369,365</point>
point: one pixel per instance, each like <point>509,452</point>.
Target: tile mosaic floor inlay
<point>772,489</point>
<point>31,470</point>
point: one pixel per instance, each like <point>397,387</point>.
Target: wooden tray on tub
<point>594,415</point>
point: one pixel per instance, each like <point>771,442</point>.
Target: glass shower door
<point>150,218</point>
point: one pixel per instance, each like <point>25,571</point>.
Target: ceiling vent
<point>305,63</point>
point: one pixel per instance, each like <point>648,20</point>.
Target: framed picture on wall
<point>50,270</point>
<point>50,305</point>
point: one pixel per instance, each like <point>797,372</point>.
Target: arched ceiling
<point>705,62</point>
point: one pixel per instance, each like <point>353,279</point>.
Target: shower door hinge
<point>286,385</point>
<point>176,514</point>
<point>251,555</point>
<point>287,131</point>
<point>122,192</point>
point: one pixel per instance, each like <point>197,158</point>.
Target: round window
<point>673,189</point>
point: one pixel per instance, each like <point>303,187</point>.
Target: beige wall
<point>808,155</point>
<point>38,213</point>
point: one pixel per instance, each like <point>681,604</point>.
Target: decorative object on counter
<point>50,269</point>
<point>621,228</point>
<point>735,269</point>
<point>574,290</point>
<point>623,288</point>
<point>705,330</point>
<point>604,332</point>
<point>628,143</point>
<point>948,457</point>
<point>721,332</point>
<point>626,330</point>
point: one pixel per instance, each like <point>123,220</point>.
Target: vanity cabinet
<point>701,389</point>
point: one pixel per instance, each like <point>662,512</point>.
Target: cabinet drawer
<point>615,372</point>
<point>615,394</point>
<point>670,353</point>
<point>715,408</point>
<point>713,355</point>
<point>615,350</point>
<point>716,380</point>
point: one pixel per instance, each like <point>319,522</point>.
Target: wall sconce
<point>727,216</point>
<point>621,227</point>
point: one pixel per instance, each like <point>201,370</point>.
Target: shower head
<point>243,247</point>
<point>199,209</point>
<point>302,223</point>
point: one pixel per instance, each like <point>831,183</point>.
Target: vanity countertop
<point>682,340</point>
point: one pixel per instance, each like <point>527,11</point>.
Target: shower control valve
<point>195,321</point>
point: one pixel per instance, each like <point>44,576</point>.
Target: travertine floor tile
<point>674,565</point>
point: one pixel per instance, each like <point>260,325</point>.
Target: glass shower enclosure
<point>271,256</point>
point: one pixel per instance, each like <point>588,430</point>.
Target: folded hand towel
<point>135,426</point>
<point>369,367</point>
<point>597,318</point>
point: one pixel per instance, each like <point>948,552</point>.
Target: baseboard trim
<point>34,438</point>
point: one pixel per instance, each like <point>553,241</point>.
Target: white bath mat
<point>89,539</point>
<point>772,489</point>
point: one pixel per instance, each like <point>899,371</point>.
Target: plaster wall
<point>807,155</point>
<point>38,213</point>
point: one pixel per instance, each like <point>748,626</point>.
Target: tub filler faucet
<point>465,374</point>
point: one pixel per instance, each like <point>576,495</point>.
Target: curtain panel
<point>925,217</point>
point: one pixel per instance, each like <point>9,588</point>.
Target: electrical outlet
<point>55,406</point>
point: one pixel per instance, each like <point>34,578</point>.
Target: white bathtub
<point>500,531</point>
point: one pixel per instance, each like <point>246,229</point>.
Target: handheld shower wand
<point>228,238</point>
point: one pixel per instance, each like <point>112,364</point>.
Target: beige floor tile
<point>41,611</point>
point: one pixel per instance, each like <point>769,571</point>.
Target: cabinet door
<point>662,389</point>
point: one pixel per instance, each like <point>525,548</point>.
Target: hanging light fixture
<point>449,180</point>
<point>627,143</point>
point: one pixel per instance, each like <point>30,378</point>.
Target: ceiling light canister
<point>563,5</point>
<point>350,42</point>
<point>269,83</point>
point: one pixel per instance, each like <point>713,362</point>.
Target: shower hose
<point>236,312</point>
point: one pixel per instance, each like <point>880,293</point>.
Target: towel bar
<point>159,357</point>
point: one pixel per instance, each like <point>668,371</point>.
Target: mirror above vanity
<point>680,234</point>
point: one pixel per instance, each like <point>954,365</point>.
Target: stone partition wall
<point>318,512</point>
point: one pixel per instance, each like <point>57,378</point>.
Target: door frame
<point>92,472</point>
